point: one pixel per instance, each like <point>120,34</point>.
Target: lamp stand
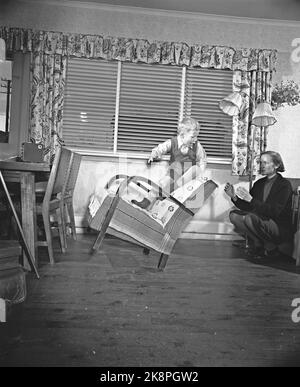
<point>252,158</point>
<point>251,173</point>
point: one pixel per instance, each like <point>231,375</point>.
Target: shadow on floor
<point>282,262</point>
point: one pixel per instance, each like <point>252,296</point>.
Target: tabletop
<point>13,165</point>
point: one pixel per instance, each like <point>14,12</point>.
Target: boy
<point>187,159</point>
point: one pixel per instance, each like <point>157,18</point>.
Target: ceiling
<point>266,9</point>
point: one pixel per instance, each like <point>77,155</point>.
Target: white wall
<point>284,137</point>
<point>149,24</point>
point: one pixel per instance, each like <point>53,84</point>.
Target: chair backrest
<point>73,173</point>
<point>295,182</point>
<point>63,170</point>
<point>59,173</point>
<point>296,209</point>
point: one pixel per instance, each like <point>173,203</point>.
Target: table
<point>25,173</point>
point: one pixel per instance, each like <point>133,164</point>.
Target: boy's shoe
<point>145,203</point>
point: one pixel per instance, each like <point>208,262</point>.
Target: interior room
<point>88,90</point>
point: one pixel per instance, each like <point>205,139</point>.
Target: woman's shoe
<point>274,253</point>
<point>256,252</point>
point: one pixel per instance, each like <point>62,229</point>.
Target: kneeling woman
<point>265,213</point>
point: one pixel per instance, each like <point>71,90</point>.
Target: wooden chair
<point>52,203</point>
<point>293,248</point>
<point>295,253</point>
<point>296,214</point>
<point>67,195</point>
<point>119,217</point>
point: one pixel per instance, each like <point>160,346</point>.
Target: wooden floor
<point>210,307</point>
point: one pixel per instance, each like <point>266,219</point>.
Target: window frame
<point>19,107</point>
<point>115,153</point>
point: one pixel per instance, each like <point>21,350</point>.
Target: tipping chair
<point>158,228</point>
<point>51,202</point>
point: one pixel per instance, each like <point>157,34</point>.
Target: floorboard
<point>211,306</point>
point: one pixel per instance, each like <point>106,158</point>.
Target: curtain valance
<point>139,50</point>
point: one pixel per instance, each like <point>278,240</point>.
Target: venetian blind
<point>204,90</point>
<point>149,105</point>
<point>89,106</point>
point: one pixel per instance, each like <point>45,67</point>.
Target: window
<point>131,107</point>
<point>149,105</point>
<point>89,105</point>
<point>5,99</point>
<point>15,102</point>
<point>203,91</point>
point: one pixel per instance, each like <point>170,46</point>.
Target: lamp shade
<point>263,115</point>
<point>231,104</point>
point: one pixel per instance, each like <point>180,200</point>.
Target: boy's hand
<point>149,161</point>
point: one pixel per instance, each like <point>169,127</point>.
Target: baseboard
<point>196,229</point>
<point>215,237</point>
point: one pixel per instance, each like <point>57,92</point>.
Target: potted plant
<point>285,93</point>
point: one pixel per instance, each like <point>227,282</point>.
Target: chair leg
<point>47,227</point>
<point>61,230</point>
<point>63,223</point>
<point>72,219</point>
<point>162,261</point>
<point>98,240</point>
<point>105,224</point>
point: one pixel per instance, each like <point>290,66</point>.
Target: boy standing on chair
<point>187,159</point>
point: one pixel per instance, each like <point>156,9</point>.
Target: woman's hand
<point>244,194</point>
<point>229,190</point>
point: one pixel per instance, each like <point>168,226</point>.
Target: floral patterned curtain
<point>254,86</point>
<point>50,51</point>
<point>138,50</point>
<point>47,97</point>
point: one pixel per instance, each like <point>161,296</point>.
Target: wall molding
<point>168,13</point>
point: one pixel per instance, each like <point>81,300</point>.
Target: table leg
<point>29,213</point>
